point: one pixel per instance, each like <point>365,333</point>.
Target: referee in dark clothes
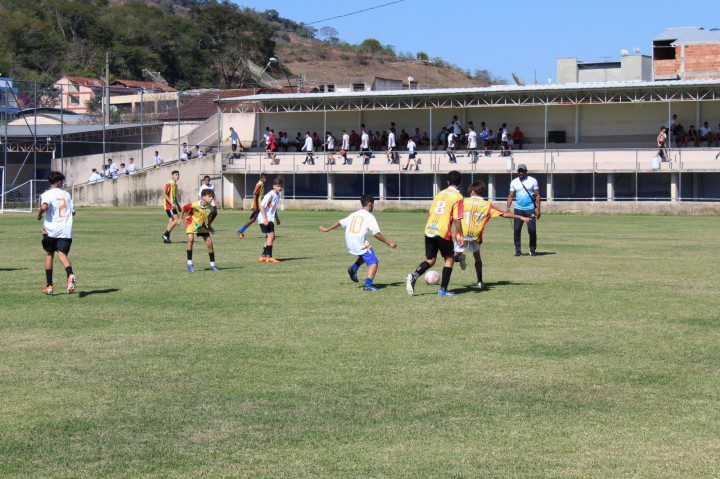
<point>525,191</point>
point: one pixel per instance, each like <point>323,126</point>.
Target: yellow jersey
<point>170,191</point>
<point>477,212</point>
<point>197,217</point>
<point>258,194</point>
<point>446,207</point>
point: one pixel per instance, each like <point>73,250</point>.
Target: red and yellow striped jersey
<point>446,207</point>
<point>197,217</point>
<point>477,212</point>
<point>170,191</point>
<point>258,194</point>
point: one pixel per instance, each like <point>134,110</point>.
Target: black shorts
<point>202,235</point>
<point>254,215</point>
<point>268,228</point>
<point>171,213</point>
<point>51,245</point>
<point>436,244</point>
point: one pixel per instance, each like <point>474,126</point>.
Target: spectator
<point>404,137</point>
<point>131,168</point>
<point>472,144</point>
<point>330,148</point>
<point>201,151</point>
<point>266,140</point>
<point>662,144</point>
<point>158,160</point>
<point>308,148</point>
<point>316,140</point>
<point>680,136</point>
<point>285,141</point>
<point>451,146</point>
<point>417,137</point>
<point>299,142</point>
<point>392,127</point>
<point>526,192</point>
<point>425,140</point>
<point>518,138</point>
<point>354,140</point>
<point>391,146</point>
<point>706,134</point>
<point>95,176</point>
<point>504,145</point>
<point>692,135</point>
<point>123,170</point>
<point>365,146</point>
<point>345,146</point>
<point>271,148</point>
<point>112,169</point>
<point>455,127</point>
<point>411,155</point>
<point>442,138</point>
<point>234,141</point>
<point>185,155</point>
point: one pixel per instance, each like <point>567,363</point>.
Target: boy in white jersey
<point>58,208</point>
<point>357,225</point>
<point>266,219</point>
<point>345,147</point>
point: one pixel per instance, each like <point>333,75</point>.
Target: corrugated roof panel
<point>675,33</point>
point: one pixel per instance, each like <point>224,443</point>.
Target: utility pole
<point>107,88</point>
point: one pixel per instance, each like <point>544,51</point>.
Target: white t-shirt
<point>391,140</point>
<point>308,144</point>
<point>411,145</point>
<point>455,127</point>
<point>330,143</point>
<point>95,177</point>
<point>523,201</point>
<point>113,168</point>
<point>704,131</point>
<point>357,225</point>
<point>345,141</point>
<point>59,216</point>
<point>158,160</point>
<point>504,136</point>
<point>131,168</point>
<point>451,140</point>
<point>206,187</point>
<point>472,139</point>
<point>364,140</point>
<point>269,205</point>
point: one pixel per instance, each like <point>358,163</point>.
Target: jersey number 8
<point>440,208</point>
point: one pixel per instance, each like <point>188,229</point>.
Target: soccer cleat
<point>353,275</point>
<point>214,268</point>
<point>47,290</point>
<point>166,240</point>
<point>410,284</point>
<point>370,287</point>
<point>480,285</point>
<point>191,268</point>
<point>270,259</point>
<point>240,235</point>
<point>71,284</point>
<point>533,253</point>
<point>463,263</point>
<point>518,253</point>
<point>263,259</point>
<point>445,292</point>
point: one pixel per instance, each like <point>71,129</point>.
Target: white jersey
<point>345,142</point>
<point>391,140</point>
<point>357,225</point>
<point>59,215</point>
<point>364,140</point>
<point>308,146</point>
<point>330,143</point>
<point>472,139</point>
<point>269,205</point>
<point>207,187</point>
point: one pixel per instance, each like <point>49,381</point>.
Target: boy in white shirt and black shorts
<point>357,225</point>
<point>58,208</point>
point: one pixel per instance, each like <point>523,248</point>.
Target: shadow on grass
<point>544,253</point>
<point>388,285</point>
<point>223,268</point>
<point>472,288</point>
<point>82,294</point>
<point>282,260</point>
<point>12,269</point>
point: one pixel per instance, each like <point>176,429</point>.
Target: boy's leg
<point>371,260</point>
<point>253,217</point>
<point>211,252</point>
<point>447,272</point>
<point>49,268</point>
<point>190,240</point>
<point>353,269</point>
<point>478,267</point>
<point>517,232</point>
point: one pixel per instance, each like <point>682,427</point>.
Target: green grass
<point>598,360</point>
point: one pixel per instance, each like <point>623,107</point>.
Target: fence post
<point>34,139</point>
<point>593,175</point>
<point>178,130</point>
<point>142,126</point>
<point>637,169</point>
<point>106,114</point>
<point>62,130</point>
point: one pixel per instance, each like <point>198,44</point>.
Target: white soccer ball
<point>432,277</point>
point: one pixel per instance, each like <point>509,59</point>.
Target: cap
<point>522,166</point>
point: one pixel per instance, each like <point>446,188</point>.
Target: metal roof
<point>21,131</point>
<point>700,36</point>
<point>675,33</point>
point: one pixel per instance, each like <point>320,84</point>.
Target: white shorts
<point>470,245</point>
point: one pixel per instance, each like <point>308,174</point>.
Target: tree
<point>329,34</point>
<point>371,46</point>
<point>422,56</point>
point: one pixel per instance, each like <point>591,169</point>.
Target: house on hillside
<point>369,83</point>
<point>131,87</point>
<point>8,102</point>
<point>77,92</point>
<point>687,53</point>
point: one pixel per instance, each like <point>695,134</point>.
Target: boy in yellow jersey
<point>198,214</point>
<point>171,205</point>
<point>258,194</point>
<point>445,212</point>
<point>476,214</point>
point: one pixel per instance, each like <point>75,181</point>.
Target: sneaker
<point>263,259</point>
<point>410,284</point>
<point>47,290</point>
<point>532,253</point>
<point>191,268</point>
<point>166,240</point>
<point>240,235</point>
<point>370,288</point>
<point>353,275</point>
<point>71,284</point>
<point>518,253</point>
<point>270,259</point>
<point>214,268</point>
<point>463,263</point>
<point>445,292</point>
<point>480,285</point>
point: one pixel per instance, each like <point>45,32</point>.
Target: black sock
<point>424,266</point>
<point>359,262</point>
<point>212,257</point>
<point>166,234</point>
<point>446,272</point>
<point>69,271</point>
<point>189,255</point>
<point>270,251</point>
<point>478,270</point>
<point>265,251</point>
<point>48,277</point>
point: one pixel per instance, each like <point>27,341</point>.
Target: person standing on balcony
<point>451,146</point>
<point>234,141</point>
<point>330,148</point>
<point>391,146</point>
<point>525,191</point>
<point>308,149</point>
<point>365,146</point>
<point>271,147</point>
<point>662,144</point>
<point>472,144</point>
<point>344,147</point>
<point>517,138</point>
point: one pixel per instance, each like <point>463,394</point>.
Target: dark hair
<point>278,181</point>
<point>366,200</point>
<point>175,171</point>
<point>478,188</point>
<point>55,176</point>
<point>207,192</point>
<point>454,178</point>
<point>263,175</point>
<point>206,177</point>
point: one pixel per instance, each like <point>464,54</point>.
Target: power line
<point>355,13</point>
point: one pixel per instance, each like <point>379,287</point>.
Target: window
<point>358,87</point>
<point>663,50</point>
<point>74,100</point>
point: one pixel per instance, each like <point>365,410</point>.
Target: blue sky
<point>525,37</point>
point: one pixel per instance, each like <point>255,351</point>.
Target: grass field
<point>598,359</point>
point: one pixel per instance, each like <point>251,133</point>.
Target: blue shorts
<point>370,258</point>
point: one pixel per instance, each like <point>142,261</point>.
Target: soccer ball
<point>432,277</point>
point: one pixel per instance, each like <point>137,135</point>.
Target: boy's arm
<point>516,217</point>
<point>385,240</point>
<point>332,227</point>
<point>42,210</point>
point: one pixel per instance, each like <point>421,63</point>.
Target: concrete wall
<point>145,188</point>
<point>244,125</point>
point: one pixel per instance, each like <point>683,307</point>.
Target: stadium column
<point>549,195</point>
<point>611,186</point>
<point>436,184</point>
<point>674,191</point>
<point>381,187</point>
<point>577,123</point>
<point>491,188</point>
<point>330,186</point>
<point>231,191</point>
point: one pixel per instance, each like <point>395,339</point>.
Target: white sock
<point>189,262</point>
<point>212,263</point>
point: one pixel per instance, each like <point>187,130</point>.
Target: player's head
<point>477,188</point>
<point>207,195</point>
<point>454,178</point>
<point>175,175</point>
<point>368,202</point>
<point>263,177</point>
<point>277,185</point>
<point>55,178</point>
<point>522,170</point>
<point>206,180</point>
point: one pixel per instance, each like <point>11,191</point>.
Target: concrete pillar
<point>381,187</point>
<point>436,184</point>
<point>611,186</point>
<point>330,186</point>
<point>674,191</point>
<point>697,114</point>
<point>696,185</point>
<point>549,193</point>
<point>577,123</point>
<point>232,194</point>
<point>361,120</point>
<point>491,188</point>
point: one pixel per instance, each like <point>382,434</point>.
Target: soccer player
<point>476,214</point>
<point>258,194</point>
<point>357,225</point>
<point>266,218</point>
<point>59,209</point>
<point>172,207</point>
<point>445,212</point>
<point>197,224</point>
<point>206,185</point>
